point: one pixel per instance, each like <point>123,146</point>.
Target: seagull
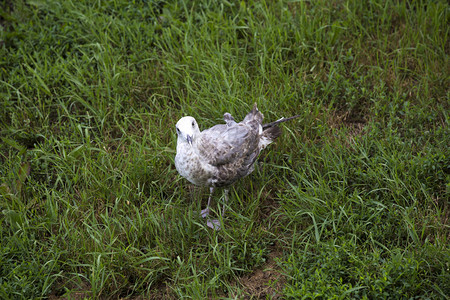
<point>219,156</point>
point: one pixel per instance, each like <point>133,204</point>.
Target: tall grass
<point>352,199</point>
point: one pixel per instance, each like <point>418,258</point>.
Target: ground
<point>349,202</point>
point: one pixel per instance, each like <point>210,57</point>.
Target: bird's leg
<point>215,224</point>
<point>205,212</point>
<point>226,201</point>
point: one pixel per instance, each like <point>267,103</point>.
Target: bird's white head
<point>187,129</point>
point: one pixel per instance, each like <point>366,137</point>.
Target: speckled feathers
<point>222,154</point>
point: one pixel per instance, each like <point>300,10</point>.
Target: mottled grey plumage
<point>220,155</point>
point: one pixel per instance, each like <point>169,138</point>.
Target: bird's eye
<point>178,130</point>
<point>193,124</point>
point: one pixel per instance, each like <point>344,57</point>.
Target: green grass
<point>351,201</point>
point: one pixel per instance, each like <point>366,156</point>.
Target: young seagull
<point>220,155</point>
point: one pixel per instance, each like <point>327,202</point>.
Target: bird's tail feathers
<point>271,131</point>
<point>269,135</point>
<point>273,124</point>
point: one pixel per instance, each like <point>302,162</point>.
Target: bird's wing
<point>224,144</point>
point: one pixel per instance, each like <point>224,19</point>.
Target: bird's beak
<point>189,139</point>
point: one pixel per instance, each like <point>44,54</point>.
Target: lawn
<point>352,201</point>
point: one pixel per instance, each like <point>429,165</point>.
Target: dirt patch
<point>73,296</point>
<point>354,128</point>
<point>160,291</point>
<point>266,282</point>
<point>353,125</point>
<point>77,292</point>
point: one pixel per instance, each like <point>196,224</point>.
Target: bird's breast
<point>189,165</point>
